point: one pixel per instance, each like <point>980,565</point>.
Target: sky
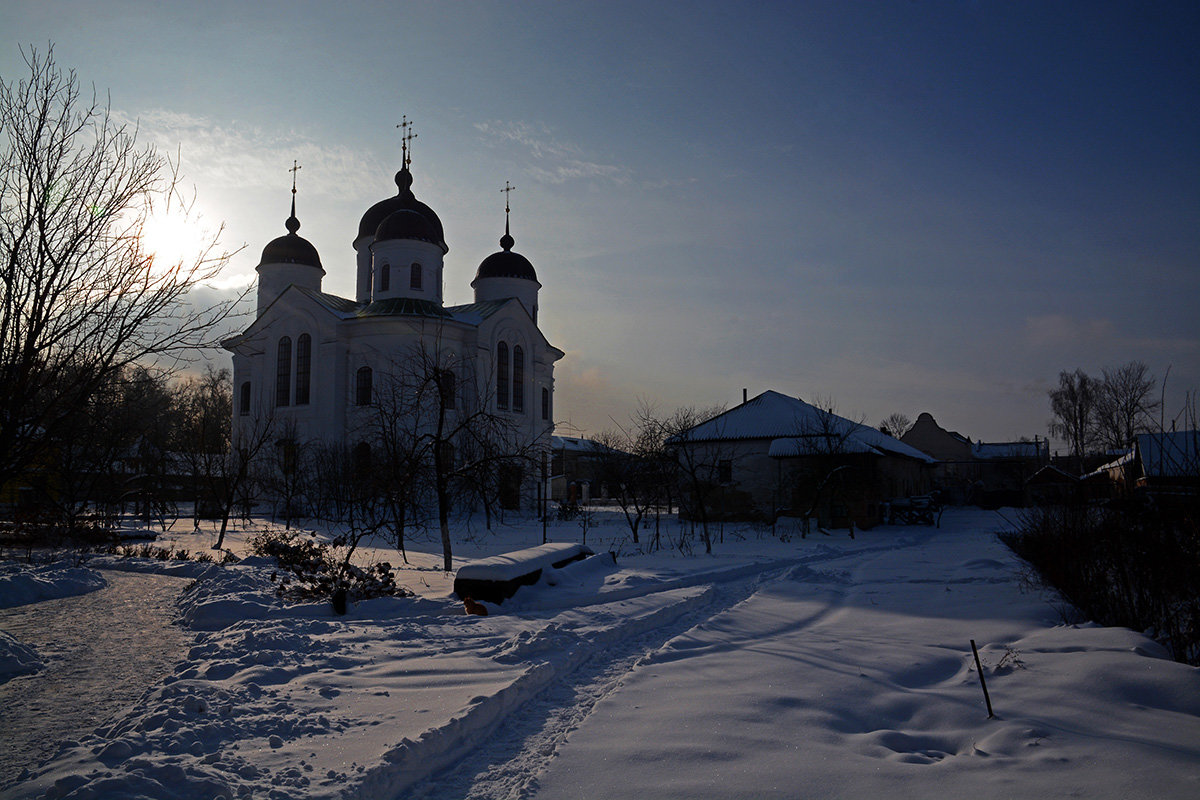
<point>894,206</point>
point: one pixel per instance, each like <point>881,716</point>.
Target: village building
<point>980,473</point>
<point>774,455</point>
<point>318,367</point>
<point>1163,466</point>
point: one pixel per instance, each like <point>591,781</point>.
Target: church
<point>317,368</point>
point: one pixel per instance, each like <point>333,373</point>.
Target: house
<point>776,454</point>
<point>984,473</point>
<point>1164,466</point>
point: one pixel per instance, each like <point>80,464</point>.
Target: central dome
<point>402,201</point>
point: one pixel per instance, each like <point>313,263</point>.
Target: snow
<point>819,667</point>
<point>22,584</point>
<point>510,566</point>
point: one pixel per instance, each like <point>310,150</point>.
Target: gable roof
<point>796,428</point>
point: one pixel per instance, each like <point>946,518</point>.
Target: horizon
<point>901,208</point>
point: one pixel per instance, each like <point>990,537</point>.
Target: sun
<point>174,236</point>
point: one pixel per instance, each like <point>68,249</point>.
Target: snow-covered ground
<point>826,667</point>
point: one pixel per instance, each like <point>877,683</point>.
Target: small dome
<point>406,224</point>
<point>506,264</point>
<point>291,249</point>
<point>402,201</point>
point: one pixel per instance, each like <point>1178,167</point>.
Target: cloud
<point>555,160</point>
<point>1059,330</point>
<point>233,154</point>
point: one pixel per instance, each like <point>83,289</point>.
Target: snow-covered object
<point>21,584</point>
<point>497,578</point>
<point>796,428</point>
<point>16,658</point>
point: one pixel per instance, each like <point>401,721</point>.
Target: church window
<point>518,379</point>
<point>545,404</point>
<point>502,376</point>
<point>414,278</point>
<point>362,386</point>
<point>447,386</point>
<point>385,278</point>
<point>361,458</point>
<point>303,368</point>
<point>244,399</point>
<point>283,371</point>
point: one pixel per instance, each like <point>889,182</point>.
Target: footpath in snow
<point>825,667</point>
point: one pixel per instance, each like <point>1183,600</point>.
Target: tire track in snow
<point>507,765</point>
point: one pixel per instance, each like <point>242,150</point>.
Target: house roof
<point>797,428</point>
<point>989,450</point>
<point>1169,455</point>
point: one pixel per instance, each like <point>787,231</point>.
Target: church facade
<point>317,368</point>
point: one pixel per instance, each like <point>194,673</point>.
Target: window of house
<point>414,278</point>
<point>362,387</point>
<point>502,376</point>
<point>545,404</point>
<point>283,372</point>
<point>244,399</point>
<point>724,471</point>
<point>518,379</point>
<point>303,368</point>
<point>385,278</point>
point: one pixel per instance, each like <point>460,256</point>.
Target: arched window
<point>361,458</point>
<point>518,379</point>
<point>414,276</point>
<point>283,372</point>
<point>362,387</point>
<point>244,399</point>
<point>385,278</point>
<point>303,368</point>
<point>502,376</point>
<point>545,404</point>
<point>447,386</point>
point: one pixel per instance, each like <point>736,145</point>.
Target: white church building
<point>315,367</point>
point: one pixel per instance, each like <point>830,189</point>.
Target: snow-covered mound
<point>16,658</point>
<point>21,583</point>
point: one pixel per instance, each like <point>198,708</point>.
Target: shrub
<point>314,569</point>
<point>1131,566</point>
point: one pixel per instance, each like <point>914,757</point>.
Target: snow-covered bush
<point>311,569</point>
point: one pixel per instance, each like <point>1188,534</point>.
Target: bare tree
<point>895,425</point>
<point>80,298</point>
<point>433,417</point>
<point>698,462</point>
<point>220,462</point>
<point>1073,404</point>
<point>1125,405</point>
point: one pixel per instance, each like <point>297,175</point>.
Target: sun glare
<point>173,237</point>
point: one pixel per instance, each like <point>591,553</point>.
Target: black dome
<point>406,224</point>
<point>291,249</point>
<point>506,264</point>
<point>403,201</point>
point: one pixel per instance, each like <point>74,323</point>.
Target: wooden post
<point>982,682</point>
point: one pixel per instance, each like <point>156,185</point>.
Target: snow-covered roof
<point>796,428</point>
<point>575,444</point>
<point>988,450</point>
<point>1170,455</point>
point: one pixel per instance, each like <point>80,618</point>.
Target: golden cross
<point>405,138</point>
<point>507,188</point>
<point>295,168</point>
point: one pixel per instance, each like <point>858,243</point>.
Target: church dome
<point>291,249</point>
<point>506,264</point>
<point>406,224</point>
<point>402,201</point>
